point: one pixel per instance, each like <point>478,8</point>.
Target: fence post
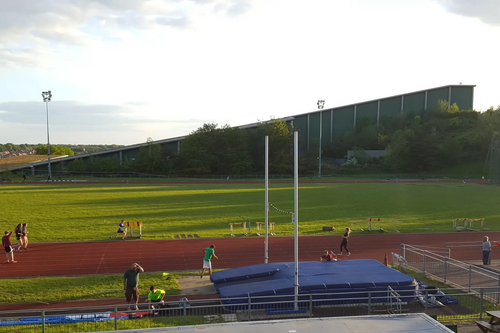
<point>498,294</point>
<point>424,262</point>
<point>369,303</point>
<point>116,319</point>
<point>470,275</point>
<point>445,268</point>
<point>310,305</point>
<point>249,308</point>
<point>426,300</point>
<point>185,311</point>
<point>481,304</point>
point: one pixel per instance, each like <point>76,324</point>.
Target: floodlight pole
<point>321,104</point>
<point>47,95</point>
<point>296,212</point>
<point>266,207</point>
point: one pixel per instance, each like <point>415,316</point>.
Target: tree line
<point>439,138</point>
<point>208,150</point>
<point>443,137</point>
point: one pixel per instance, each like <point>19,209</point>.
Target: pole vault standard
<point>266,178</point>
<point>295,217</point>
<point>296,211</point>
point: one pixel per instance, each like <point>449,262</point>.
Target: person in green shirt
<point>155,296</point>
<point>207,264</point>
<point>131,284</point>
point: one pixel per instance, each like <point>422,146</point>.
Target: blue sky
<point>122,71</point>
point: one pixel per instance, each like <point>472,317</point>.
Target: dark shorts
<point>18,237</point>
<point>119,232</point>
<point>132,292</point>
<point>8,249</point>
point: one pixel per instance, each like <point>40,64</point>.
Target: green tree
<point>399,157</point>
<point>213,150</point>
<point>54,150</point>
<point>280,146</point>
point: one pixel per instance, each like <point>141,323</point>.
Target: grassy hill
<point>17,161</point>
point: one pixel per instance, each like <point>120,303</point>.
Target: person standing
<point>155,296</point>
<point>486,250</point>
<point>19,236</point>
<point>7,245</point>
<point>121,230</point>
<point>131,284</point>
<point>24,235</point>
<point>207,260</point>
<point>343,245</point>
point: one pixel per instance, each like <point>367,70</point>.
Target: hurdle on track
<point>372,222</point>
<point>263,225</point>
<point>244,224</point>
<point>135,224</point>
<point>368,221</point>
<point>468,224</point>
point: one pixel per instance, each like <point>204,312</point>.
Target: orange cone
<point>386,260</point>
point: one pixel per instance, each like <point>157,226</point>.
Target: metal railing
<point>439,265</point>
<point>471,306</point>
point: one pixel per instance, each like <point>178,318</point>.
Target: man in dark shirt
<point>7,245</point>
<point>131,284</point>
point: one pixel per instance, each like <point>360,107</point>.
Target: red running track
<point>62,259</point>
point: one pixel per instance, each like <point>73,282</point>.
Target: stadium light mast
<point>47,95</point>
<point>321,104</point>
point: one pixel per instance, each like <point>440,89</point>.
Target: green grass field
<point>85,287</point>
<point>70,212</point>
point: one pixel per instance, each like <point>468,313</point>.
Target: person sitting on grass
<point>121,230</point>
<point>155,296</point>
<point>327,256</point>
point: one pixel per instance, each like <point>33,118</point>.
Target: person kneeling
<point>155,296</point>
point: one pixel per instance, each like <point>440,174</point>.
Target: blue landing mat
<point>314,277</point>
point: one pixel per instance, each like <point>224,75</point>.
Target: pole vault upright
<point>266,215</point>
<point>296,211</point>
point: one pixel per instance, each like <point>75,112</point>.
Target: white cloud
<point>76,122</point>
<point>160,68</point>
<point>28,26</point>
<point>488,11</point>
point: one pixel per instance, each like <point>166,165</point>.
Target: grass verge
<point>92,212</point>
<point>87,287</point>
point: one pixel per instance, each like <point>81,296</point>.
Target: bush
<point>351,166</point>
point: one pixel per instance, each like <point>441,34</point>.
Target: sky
<point>123,71</point>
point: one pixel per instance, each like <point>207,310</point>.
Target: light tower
<point>321,104</point>
<point>47,95</point>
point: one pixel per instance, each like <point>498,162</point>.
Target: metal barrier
<point>462,275</point>
<point>471,306</point>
